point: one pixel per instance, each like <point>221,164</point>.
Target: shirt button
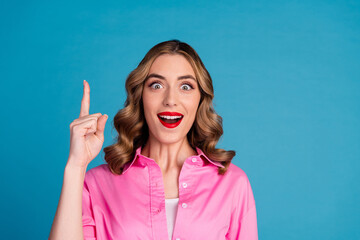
<point>193,159</point>
<point>184,185</point>
<point>184,205</point>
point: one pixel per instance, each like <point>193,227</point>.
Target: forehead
<point>171,64</point>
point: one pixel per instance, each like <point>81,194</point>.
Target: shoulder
<point>241,185</point>
<point>239,180</point>
<point>235,173</point>
<point>100,169</point>
<point>98,172</point>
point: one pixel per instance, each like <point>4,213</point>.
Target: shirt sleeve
<point>87,215</point>
<point>243,224</point>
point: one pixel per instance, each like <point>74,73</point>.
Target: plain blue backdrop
<point>286,76</point>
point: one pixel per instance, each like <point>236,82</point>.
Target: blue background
<point>287,84</point>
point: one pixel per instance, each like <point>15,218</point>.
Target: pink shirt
<point>132,205</point>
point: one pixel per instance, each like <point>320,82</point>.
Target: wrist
<point>76,167</point>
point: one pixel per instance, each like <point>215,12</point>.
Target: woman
<point>164,178</point>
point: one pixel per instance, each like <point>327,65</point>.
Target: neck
<point>170,156</point>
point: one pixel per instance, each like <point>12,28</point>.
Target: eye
<point>186,87</point>
<point>155,85</point>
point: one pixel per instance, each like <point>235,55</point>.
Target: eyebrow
<point>163,78</point>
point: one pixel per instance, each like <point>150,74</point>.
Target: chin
<point>169,138</point>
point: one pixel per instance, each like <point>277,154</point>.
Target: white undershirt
<point>171,206</point>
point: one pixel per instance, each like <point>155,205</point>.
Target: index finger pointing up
<point>85,102</point>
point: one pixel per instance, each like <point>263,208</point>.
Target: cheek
<point>192,106</point>
<point>147,110</point>
<point>145,103</point>
<point>150,106</point>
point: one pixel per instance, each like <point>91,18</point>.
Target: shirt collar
<point>199,159</point>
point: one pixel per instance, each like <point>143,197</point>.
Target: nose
<point>170,98</point>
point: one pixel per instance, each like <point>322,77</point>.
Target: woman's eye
<point>155,85</point>
<point>186,87</point>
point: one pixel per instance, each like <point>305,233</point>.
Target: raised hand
<point>86,133</point>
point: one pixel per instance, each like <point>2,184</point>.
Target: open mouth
<point>170,120</point>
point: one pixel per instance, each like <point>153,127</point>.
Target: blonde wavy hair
<point>130,121</point>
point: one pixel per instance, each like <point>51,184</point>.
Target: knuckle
<point>75,127</point>
<point>74,122</point>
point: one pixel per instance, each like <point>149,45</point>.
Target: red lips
<point>170,125</point>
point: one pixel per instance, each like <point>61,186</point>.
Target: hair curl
<point>130,121</point>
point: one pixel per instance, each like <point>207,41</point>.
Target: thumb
<point>101,124</point>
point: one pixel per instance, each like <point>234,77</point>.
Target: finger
<point>91,129</point>
<point>85,102</point>
<point>84,128</point>
<point>101,126</point>
<point>82,120</point>
<point>91,116</point>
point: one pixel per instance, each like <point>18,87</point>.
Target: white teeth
<point>170,117</point>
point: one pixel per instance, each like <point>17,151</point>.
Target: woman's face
<point>170,97</point>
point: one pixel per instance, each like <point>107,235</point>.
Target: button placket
<point>195,162</point>
<point>157,203</point>
<point>186,183</point>
<point>185,187</point>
